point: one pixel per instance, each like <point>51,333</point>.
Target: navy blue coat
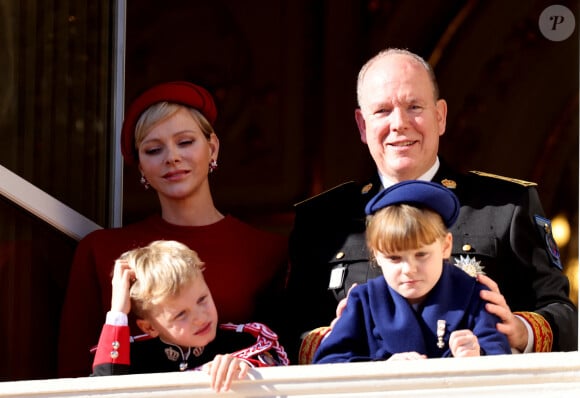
<point>378,322</point>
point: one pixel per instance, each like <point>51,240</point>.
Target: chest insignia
<point>441,324</point>
<point>172,354</point>
<point>470,265</point>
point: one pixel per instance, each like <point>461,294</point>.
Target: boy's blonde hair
<point>162,269</point>
<point>161,111</point>
<point>403,227</point>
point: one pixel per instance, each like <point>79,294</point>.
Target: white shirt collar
<point>428,176</point>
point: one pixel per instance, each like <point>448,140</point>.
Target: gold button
<point>366,188</point>
<point>339,255</point>
<point>466,247</point>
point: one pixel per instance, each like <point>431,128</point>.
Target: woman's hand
<point>463,343</point>
<point>123,274</point>
<point>513,327</point>
<point>224,369</point>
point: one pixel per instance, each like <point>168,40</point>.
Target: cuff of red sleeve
<point>310,344</point>
<point>541,329</point>
<point>114,346</point>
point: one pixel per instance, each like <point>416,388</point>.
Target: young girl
<point>422,306</point>
<point>163,285</point>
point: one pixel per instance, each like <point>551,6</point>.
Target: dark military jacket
<point>497,226</point>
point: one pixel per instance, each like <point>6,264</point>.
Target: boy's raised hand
<point>123,274</point>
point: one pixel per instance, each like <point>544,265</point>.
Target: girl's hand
<point>406,356</point>
<point>122,277</point>
<point>224,369</point>
<point>463,343</point>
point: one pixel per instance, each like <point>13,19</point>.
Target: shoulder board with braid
<point>342,187</point>
<point>509,179</point>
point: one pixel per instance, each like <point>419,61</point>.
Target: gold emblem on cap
<point>339,255</point>
<point>366,188</point>
<point>449,183</point>
<point>466,247</point>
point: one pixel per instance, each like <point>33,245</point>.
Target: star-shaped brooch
<point>470,265</point>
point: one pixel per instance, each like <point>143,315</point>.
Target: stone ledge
<point>530,375</point>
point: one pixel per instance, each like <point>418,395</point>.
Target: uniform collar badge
<point>366,188</point>
<point>172,354</point>
<point>449,183</point>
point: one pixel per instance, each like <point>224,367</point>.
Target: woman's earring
<point>212,166</point>
<point>144,182</point>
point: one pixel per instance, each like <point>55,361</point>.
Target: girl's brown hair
<point>403,227</point>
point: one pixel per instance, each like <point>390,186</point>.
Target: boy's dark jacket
<point>116,355</point>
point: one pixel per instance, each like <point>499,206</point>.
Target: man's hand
<point>123,274</point>
<point>463,343</point>
<point>341,306</point>
<point>512,326</point>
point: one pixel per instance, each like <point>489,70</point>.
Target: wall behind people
<point>284,73</point>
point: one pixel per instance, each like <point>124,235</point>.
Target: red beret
<point>179,92</point>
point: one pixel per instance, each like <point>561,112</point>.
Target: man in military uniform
<point>501,226</point>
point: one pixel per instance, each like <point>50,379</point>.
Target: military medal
<point>440,333</point>
<point>470,265</point>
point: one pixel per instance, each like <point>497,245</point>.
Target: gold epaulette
<point>543,336</point>
<point>514,180</point>
<point>344,184</point>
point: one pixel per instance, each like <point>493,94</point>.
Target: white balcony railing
<point>530,375</point>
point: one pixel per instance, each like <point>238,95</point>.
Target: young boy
<point>164,287</point>
<point>422,306</point>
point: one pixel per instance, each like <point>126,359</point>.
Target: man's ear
<point>441,108</point>
<point>147,327</point>
<point>361,124</point>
